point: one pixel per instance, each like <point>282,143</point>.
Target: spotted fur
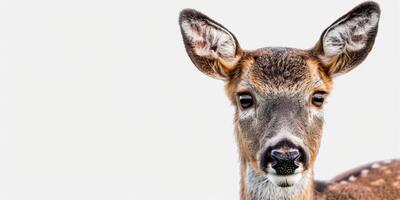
<point>380,180</point>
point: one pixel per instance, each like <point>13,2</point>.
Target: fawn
<point>279,95</point>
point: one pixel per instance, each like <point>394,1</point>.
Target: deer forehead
<point>283,70</point>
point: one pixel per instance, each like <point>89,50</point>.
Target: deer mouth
<point>285,180</point>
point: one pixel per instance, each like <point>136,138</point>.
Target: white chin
<point>284,181</point>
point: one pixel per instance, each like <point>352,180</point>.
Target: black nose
<point>285,162</point>
<point>284,158</point>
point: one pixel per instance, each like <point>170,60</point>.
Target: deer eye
<point>318,99</point>
<point>245,100</point>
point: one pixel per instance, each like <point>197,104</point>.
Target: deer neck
<point>255,186</point>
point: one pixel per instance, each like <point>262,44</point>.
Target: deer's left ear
<point>347,42</point>
<point>211,47</point>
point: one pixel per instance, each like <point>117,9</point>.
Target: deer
<point>279,95</point>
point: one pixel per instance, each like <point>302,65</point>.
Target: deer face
<point>279,102</point>
<point>279,93</point>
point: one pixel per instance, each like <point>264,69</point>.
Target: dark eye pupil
<point>318,99</point>
<point>245,100</point>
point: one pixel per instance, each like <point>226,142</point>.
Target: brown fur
<point>382,182</point>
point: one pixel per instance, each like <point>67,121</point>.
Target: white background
<point>98,99</point>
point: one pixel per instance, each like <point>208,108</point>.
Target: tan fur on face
<point>318,72</point>
<point>244,79</point>
<point>243,74</point>
<point>232,86</point>
<point>314,79</point>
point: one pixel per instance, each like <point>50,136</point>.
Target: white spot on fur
<point>348,35</point>
<point>375,165</point>
<point>209,39</point>
<point>364,172</point>
<point>343,182</point>
<point>352,178</point>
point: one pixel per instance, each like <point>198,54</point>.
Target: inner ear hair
<point>212,48</point>
<point>347,42</point>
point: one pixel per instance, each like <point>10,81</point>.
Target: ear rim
<point>344,58</point>
<point>217,67</point>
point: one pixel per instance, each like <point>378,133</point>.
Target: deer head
<point>279,93</point>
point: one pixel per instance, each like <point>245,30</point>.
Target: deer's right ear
<point>211,47</point>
